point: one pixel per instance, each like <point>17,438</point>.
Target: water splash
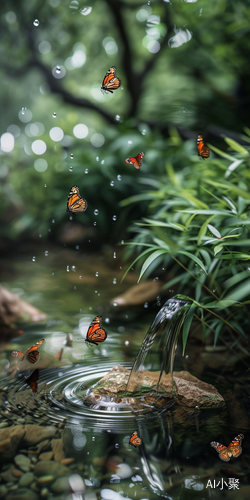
<point>171,316</point>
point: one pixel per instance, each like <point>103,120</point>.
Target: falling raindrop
<point>126,342</point>
<point>102,162</point>
<point>53,221</point>
<point>73,268</point>
<point>145,305</point>
<point>114,217</point>
<point>33,259</point>
<point>54,115</point>
<point>36,22</point>
<point>23,111</point>
<point>96,274</point>
<point>129,142</point>
<point>80,277</point>
<point>119,177</point>
<point>214,290</point>
<point>114,255</point>
<point>112,183</point>
<point>46,253</point>
<point>94,223</point>
<point>77,247</point>
<point>58,69</point>
<point>96,212</point>
<point>52,274</point>
<point>107,320</point>
<point>122,242</point>
<point>116,445</point>
<point>71,156</point>
<point>71,169</point>
<point>45,185</point>
<point>143,132</point>
<point>40,235</point>
<point>97,158</point>
<point>115,304</point>
<point>67,269</point>
<point>114,281</point>
<point>86,170</point>
<point>156,278</point>
<point>93,438</point>
<point>117,117</point>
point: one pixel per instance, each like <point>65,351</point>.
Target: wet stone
<point>17,473</point>
<point>46,467</point>
<point>22,494</point>
<point>4,424</point>
<point>46,456</point>
<point>57,447</point>
<point>20,420</point>
<point>7,475</point>
<point>22,462</point>
<point>26,479</point>
<point>61,485</point>
<point>44,492</point>
<point>34,434</point>
<point>45,479</point>
<point>3,490</point>
<point>9,441</point>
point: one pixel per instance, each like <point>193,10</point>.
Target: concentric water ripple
<point>60,398</point>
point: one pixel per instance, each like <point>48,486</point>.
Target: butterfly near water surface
<point>135,160</point>
<point>33,379</point>
<point>203,150</point>
<point>76,204</point>
<point>233,450</point>
<point>32,354</point>
<point>95,332</point>
<point>135,440</point>
<point>110,81</point>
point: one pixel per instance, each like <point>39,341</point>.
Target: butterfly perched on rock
<point>135,160</point>
<point>95,332</point>
<point>135,440</point>
<point>110,81</point>
<point>32,355</point>
<point>233,450</point>
<point>76,204</point>
<point>203,150</point>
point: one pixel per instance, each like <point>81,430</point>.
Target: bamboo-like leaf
<point>187,325</point>
<point>214,231</point>
<point>149,261</point>
<point>221,153</point>
<point>232,167</point>
<point>194,258</point>
<point>240,292</point>
<point>134,261</point>
<point>236,146</point>
<point>218,249</point>
<point>208,212</point>
<point>203,229</point>
<point>153,222</point>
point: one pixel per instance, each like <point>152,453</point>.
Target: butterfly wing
<point>18,354</point>
<point>33,356</point>
<point>35,346</point>
<point>111,81</point>
<point>203,150</point>
<point>76,203</point>
<point>133,161</point>
<point>234,448</point>
<point>135,440</point>
<point>222,450</point>
<point>95,331</point>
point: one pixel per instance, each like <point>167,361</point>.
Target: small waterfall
<point>157,351</point>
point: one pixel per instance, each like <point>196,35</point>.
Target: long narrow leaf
<point>151,259</point>
<point>194,258</point>
<point>236,146</point>
<point>187,325</point>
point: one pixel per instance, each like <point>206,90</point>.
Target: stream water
<point>58,448</point>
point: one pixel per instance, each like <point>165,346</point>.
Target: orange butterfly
<point>135,440</point>
<point>203,150</point>
<point>136,161</point>
<point>110,81</point>
<point>233,450</point>
<point>95,332</point>
<point>32,355</point>
<point>76,203</point>
<point>32,380</point>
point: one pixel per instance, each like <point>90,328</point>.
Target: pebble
<point>45,479</point>
<point>17,473</point>
<point>3,424</point>
<point>26,479</point>
<point>7,475</point>
<point>3,490</point>
<point>22,494</point>
<point>46,467</point>
<point>67,461</point>
<point>34,434</point>
<point>22,462</point>
<point>57,447</point>
<point>46,456</point>
<point>61,485</point>
<point>124,471</point>
<point>44,492</point>
<point>10,438</point>
<point>20,420</point>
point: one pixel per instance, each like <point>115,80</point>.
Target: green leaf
<point>187,325</point>
<point>236,146</point>
<point>203,229</point>
<point>218,249</point>
<point>153,222</point>
<point>194,258</point>
<point>134,261</point>
<point>240,292</point>
<point>221,153</point>
<point>214,231</point>
<point>149,261</point>
<point>232,167</point>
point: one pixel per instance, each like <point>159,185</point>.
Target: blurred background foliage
<point>184,68</point>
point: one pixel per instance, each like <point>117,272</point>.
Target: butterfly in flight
<point>95,332</point>
<point>233,450</point>
<point>32,355</point>
<point>110,81</point>
<point>203,150</point>
<point>135,440</point>
<point>76,204</point>
<point>136,161</point>
<point>33,379</point>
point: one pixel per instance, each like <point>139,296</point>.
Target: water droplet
<point>74,287</point>
<point>114,217</point>
<point>186,356</point>
<point>107,320</point>
<point>116,445</point>
<point>80,277</point>
<point>73,268</point>
<point>71,217</point>
<point>112,183</point>
<point>67,269</point>
<point>102,162</point>
<point>129,142</point>
<point>45,185</point>
<point>93,438</point>
<point>97,158</point>
<point>53,221</point>
<point>248,268</point>
<point>115,304</point>
<point>94,223</point>
<point>156,278</point>
<point>77,247</point>
<point>96,212</point>
<point>58,69</point>
<point>49,230</point>
<point>71,169</point>
<point>52,274</point>
<point>33,259</point>
<point>86,170</point>
<point>214,290</point>
<point>148,2</point>
<point>122,242</point>
<point>114,255</point>
<point>40,235</point>
<point>36,22</point>
<point>119,177</point>
<point>143,132</point>
<point>117,117</point>
<point>126,342</point>
<point>96,274</point>
<point>163,268</point>
<point>54,115</point>
<point>71,156</point>
<point>46,253</point>
<point>114,281</point>
<point>23,110</point>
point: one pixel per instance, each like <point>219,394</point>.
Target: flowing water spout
<point>158,348</point>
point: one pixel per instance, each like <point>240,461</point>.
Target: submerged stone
<point>185,390</point>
